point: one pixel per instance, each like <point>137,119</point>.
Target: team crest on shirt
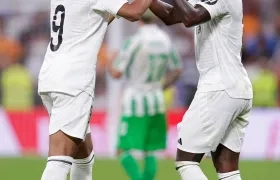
<point>209,2</point>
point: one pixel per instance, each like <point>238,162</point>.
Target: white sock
<point>190,170</point>
<point>57,168</point>
<point>82,168</point>
<point>234,175</point>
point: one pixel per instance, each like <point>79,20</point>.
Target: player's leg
<point>188,165</point>
<point>202,129</point>
<point>83,161</point>
<point>226,163</point>
<point>68,123</point>
<point>150,165</point>
<point>132,135</point>
<point>192,143</point>
<point>129,163</point>
<point>60,160</point>
<point>155,140</point>
<point>61,150</point>
<point>226,157</point>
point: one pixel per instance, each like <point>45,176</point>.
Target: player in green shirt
<point>144,60</point>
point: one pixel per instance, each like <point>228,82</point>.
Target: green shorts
<point>146,133</point>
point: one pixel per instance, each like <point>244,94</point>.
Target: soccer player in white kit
<point>218,115</point>
<point>67,79</point>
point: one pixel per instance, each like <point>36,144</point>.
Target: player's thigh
<point>157,133</point>
<point>225,160</point>
<point>132,132</point>
<point>71,114</point>
<point>234,136</point>
<point>85,148</point>
<point>206,121</point>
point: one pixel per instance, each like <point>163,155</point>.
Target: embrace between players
<point>215,121</point>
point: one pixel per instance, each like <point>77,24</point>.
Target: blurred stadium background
<point>24,36</point>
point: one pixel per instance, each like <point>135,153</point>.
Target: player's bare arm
<point>171,78</point>
<point>113,71</point>
<point>181,12</point>
<point>191,15</point>
<point>165,12</point>
<point>133,11</point>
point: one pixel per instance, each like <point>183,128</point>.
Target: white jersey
<point>144,59</point>
<point>218,44</point>
<point>77,32</point>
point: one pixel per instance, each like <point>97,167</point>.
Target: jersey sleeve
<point>128,50</point>
<point>174,61</point>
<point>111,6</point>
<point>214,7</point>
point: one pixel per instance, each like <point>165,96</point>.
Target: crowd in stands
<point>24,38</point>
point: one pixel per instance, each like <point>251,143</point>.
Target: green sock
<point>130,165</point>
<point>150,167</point>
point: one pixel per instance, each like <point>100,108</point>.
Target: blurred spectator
<point>252,24</point>
<point>103,57</point>
<point>252,27</point>
<point>275,49</point>
<point>10,51</point>
<point>16,85</point>
<point>17,88</point>
<point>265,86</point>
<point>35,39</point>
<point>169,99</point>
<point>100,100</point>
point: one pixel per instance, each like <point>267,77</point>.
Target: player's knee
<point>85,148</point>
<point>223,165</point>
<point>226,166</point>
<point>84,151</point>
<point>62,144</point>
<point>189,170</point>
<point>225,160</point>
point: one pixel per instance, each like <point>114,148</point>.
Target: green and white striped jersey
<point>144,59</point>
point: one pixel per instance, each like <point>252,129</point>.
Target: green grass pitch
<point>31,169</point>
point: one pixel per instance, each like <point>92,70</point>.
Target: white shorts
<point>70,114</point>
<point>214,118</point>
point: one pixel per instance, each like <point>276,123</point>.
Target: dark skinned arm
<point>182,12</point>
<point>165,12</point>
<point>191,16</point>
